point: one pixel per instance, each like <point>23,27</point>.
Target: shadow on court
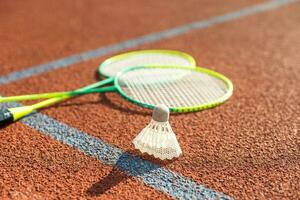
<point>132,165</point>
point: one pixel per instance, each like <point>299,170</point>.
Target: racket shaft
<point>55,94</point>
<point>32,97</point>
<point>68,95</point>
<point>12,114</point>
<point>82,90</point>
<point>56,100</point>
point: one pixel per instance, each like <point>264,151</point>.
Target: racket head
<point>159,57</point>
<point>184,89</point>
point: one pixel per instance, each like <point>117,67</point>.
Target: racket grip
<point>10,115</point>
<point>6,117</point>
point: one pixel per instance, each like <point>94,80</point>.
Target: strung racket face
<point>112,66</point>
<point>181,89</point>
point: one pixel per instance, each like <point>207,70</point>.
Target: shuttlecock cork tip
<point>161,113</point>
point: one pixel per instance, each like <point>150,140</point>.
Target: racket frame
<point>199,107</point>
<point>13,114</point>
<point>124,56</point>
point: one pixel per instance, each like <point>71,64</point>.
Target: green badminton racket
<point>110,67</point>
<point>182,89</point>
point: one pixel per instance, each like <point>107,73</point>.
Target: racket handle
<point>10,115</point>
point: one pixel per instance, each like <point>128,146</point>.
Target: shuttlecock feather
<point>158,138</point>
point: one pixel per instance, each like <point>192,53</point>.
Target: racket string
<point>172,87</point>
<point>138,94</point>
<point>145,59</point>
<point>155,98</point>
<point>209,87</point>
<point>177,95</point>
<point>160,92</point>
<point>193,94</point>
<point>204,88</point>
<point>182,98</point>
<point>202,93</point>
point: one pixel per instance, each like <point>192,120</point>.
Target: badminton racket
<point>181,89</point>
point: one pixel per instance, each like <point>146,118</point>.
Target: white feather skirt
<point>159,140</point>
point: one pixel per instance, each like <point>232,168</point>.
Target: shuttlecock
<point>158,138</point>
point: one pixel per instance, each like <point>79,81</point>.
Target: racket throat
<point>104,89</point>
<point>94,90</point>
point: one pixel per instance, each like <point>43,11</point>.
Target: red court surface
<point>36,32</point>
<point>247,148</point>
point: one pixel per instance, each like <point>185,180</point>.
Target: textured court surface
<point>248,148</point>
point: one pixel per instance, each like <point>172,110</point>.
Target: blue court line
<point>151,174</point>
<point>149,38</point>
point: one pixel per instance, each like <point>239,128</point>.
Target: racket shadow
<point>128,165</point>
<point>133,109</point>
<point>105,100</point>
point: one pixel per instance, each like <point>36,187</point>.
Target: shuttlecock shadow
<point>112,179</point>
<point>127,165</point>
